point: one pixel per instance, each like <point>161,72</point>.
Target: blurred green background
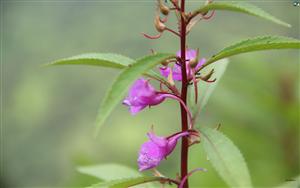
<point>49,113</point>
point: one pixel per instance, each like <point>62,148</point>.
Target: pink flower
<point>141,95</point>
<point>157,149</point>
<point>176,70</point>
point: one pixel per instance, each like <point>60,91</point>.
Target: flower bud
<point>194,138</point>
<point>170,78</point>
<point>165,63</point>
<point>208,76</point>
<point>163,8</point>
<point>194,62</point>
<point>160,27</point>
<point>176,69</point>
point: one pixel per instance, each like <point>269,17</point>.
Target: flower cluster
<point>191,56</point>
<point>143,94</point>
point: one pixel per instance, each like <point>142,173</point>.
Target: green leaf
<point>109,172</point>
<point>124,183</point>
<point>97,59</point>
<point>205,89</point>
<point>241,7</point>
<point>113,174</point>
<point>255,44</point>
<point>225,158</point>
<point>292,183</point>
<point>153,74</point>
<point>109,60</point>
<point>123,82</point>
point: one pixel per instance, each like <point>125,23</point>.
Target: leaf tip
<point>45,65</point>
<point>96,131</point>
<point>285,24</point>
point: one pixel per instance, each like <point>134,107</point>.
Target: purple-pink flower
<point>176,70</point>
<point>157,149</point>
<point>141,95</point>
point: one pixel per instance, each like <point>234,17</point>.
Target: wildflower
<point>141,95</point>
<point>157,149</point>
<point>176,70</point>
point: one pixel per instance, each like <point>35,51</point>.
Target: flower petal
<point>160,141</point>
<point>165,71</point>
<point>135,109</point>
<point>200,63</point>
<point>172,141</point>
<point>141,95</point>
<point>150,156</point>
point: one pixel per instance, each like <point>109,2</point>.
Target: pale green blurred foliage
<point>49,113</point>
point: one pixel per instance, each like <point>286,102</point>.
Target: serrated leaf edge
<point>216,150</point>
<point>214,58</point>
<point>240,8</point>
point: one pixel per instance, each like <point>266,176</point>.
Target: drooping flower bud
<point>157,149</point>
<point>194,61</point>
<point>163,8</point>
<point>160,27</point>
<point>165,63</point>
<point>141,95</point>
<point>208,76</point>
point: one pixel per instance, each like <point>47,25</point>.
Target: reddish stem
<point>168,95</point>
<point>184,87</point>
<point>172,31</point>
<point>175,5</point>
<point>152,37</point>
<point>189,174</point>
<point>191,131</point>
<point>195,87</point>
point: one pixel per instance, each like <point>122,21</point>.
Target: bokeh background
<point>48,113</point>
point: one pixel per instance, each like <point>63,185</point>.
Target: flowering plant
<point>180,77</point>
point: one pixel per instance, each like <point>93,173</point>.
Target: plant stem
<point>168,95</point>
<point>184,87</point>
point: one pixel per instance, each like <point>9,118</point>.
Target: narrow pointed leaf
<point>97,59</point>
<point>113,174</point>
<point>108,172</point>
<point>225,158</point>
<point>241,7</point>
<point>256,44</point>
<point>205,89</point>
<point>109,60</point>
<point>152,73</point>
<point>128,182</point>
<point>121,85</point>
